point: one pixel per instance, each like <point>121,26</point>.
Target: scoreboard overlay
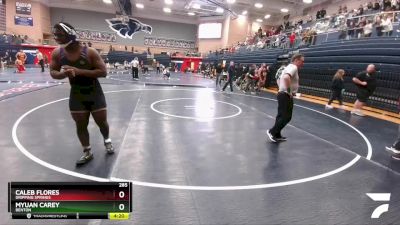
<point>69,200</point>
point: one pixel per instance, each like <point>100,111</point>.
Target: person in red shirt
<point>20,61</point>
<point>292,39</point>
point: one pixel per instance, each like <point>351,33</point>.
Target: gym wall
<point>79,19</point>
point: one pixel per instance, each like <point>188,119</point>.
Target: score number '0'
<point>121,194</point>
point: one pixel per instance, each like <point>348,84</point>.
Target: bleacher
<point>322,61</point>
<point>331,37</point>
<point>258,56</point>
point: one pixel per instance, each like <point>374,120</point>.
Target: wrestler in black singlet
<point>86,93</point>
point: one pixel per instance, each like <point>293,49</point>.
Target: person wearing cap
<point>83,66</point>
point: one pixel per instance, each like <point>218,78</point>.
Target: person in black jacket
<point>366,85</point>
<point>337,89</point>
<point>218,75</point>
<point>231,76</point>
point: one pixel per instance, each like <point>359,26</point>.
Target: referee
<point>288,86</point>
<point>135,68</point>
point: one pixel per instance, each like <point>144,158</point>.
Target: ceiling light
<point>139,5</point>
<point>167,10</point>
<point>107,1</point>
<point>259,20</point>
<point>196,6</point>
<point>244,12</point>
<point>230,1</point>
<point>267,16</point>
<point>191,13</point>
<point>258,5</point>
<point>284,10</point>
<point>307,1</point>
<point>168,2</point>
<point>219,10</point>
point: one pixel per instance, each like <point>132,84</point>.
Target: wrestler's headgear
<point>64,34</point>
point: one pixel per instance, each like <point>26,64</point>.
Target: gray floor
<point>153,79</point>
<point>187,160</point>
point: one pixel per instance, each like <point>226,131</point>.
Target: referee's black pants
<point>285,111</point>
<point>135,72</point>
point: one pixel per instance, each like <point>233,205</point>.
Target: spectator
<point>158,67</point>
<point>343,31</point>
<point>239,71</point>
<point>40,59</point>
<point>396,5</point>
<point>360,27</point>
<point>350,29</point>
<point>90,44</point>
<point>262,74</point>
<point>368,29</point>
<point>259,32</point>
<point>366,85</point>
<point>387,26</point>
<point>360,10</point>
<point>251,78</point>
<point>292,39</point>
<point>318,15</point>
<point>337,88</point>
<point>377,6</point>
<point>243,74</point>
<point>387,5</point>
<point>369,6</point>
<point>378,25</point>
<point>323,13</point>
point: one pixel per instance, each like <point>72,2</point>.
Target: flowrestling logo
<point>379,197</point>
